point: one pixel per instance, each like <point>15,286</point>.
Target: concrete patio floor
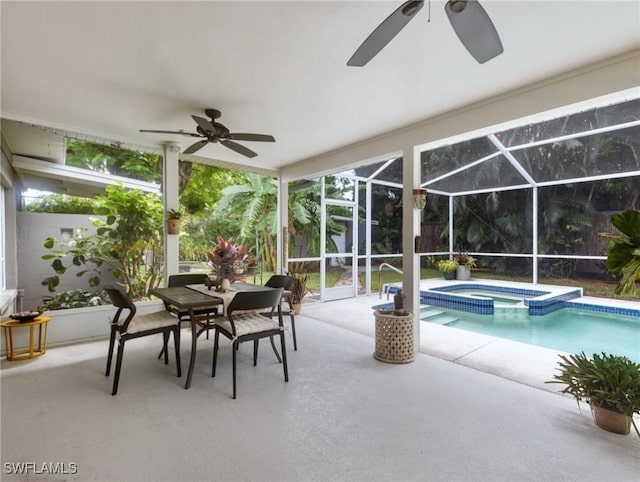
<point>342,416</point>
<point>515,361</point>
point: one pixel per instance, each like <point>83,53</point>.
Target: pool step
<point>434,315</point>
<point>428,312</point>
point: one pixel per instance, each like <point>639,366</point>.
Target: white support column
<point>534,231</point>
<point>170,199</point>
<point>451,233</point>
<point>411,229</point>
<point>323,240</point>
<point>368,243</point>
<point>282,221</point>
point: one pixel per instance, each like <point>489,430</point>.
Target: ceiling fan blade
<point>251,137</point>
<point>240,149</point>
<point>204,124</point>
<point>385,32</point>
<point>475,29</point>
<point>195,147</point>
<point>191,134</point>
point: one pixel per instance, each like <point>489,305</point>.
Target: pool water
<point>568,330</point>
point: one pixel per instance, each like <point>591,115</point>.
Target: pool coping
<point>546,298</point>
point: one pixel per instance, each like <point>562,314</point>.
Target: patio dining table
<point>193,298</point>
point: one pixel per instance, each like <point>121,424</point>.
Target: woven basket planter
<point>394,338</point>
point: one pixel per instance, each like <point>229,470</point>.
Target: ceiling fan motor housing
<point>214,132</point>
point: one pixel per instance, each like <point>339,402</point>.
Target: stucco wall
<point>33,229</point>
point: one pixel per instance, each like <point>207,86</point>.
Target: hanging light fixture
<point>419,198</point>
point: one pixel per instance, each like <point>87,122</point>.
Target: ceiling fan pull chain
<point>429,12</point>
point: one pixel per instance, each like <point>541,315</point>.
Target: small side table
<point>33,351</point>
<point>394,338</point>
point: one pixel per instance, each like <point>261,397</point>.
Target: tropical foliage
<point>447,265</point>
<point>227,259</point>
<point>197,233</point>
<point>113,160</point>
<point>623,257</point>
<point>465,259</point>
<point>304,221</point>
<point>299,288</point>
<point>608,381</point>
<point>77,298</point>
<point>61,203</point>
<point>252,204</point>
<point>201,187</point>
<point>128,243</point>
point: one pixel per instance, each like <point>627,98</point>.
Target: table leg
<point>8,342</point>
<point>31,341</point>
<point>194,342</point>
<point>42,340</point>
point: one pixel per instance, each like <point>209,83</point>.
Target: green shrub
<point>608,381</point>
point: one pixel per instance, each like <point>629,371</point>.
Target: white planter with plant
<point>465,263</point>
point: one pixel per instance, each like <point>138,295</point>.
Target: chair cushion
<point>151,321</point>
<point>247,323</point>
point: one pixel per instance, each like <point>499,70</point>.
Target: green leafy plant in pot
<point>610,384</point>
<point>465,263</point>
<point>174,221</point>
<point>298,291</point>
<point>448,268</point>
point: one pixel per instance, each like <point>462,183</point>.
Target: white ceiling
<point>108,69</point>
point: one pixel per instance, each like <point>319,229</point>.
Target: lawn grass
<point>590,287</point>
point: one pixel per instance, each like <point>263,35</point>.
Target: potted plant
<point>298,291</point>
<point>174,220</point>
<point>465,263</point>
<point>227,260</point>
<point>610,384</point>
<point>448,268</point>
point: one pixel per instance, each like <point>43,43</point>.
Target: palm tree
<point>253,205</point>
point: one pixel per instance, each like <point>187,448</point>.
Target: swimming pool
<point>569,330</point>
<point>482,299</point>
<point>548,316</point>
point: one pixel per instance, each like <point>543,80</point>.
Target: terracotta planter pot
<point>173,226</point>
<point>296,308</point>
<point>611,421</point>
